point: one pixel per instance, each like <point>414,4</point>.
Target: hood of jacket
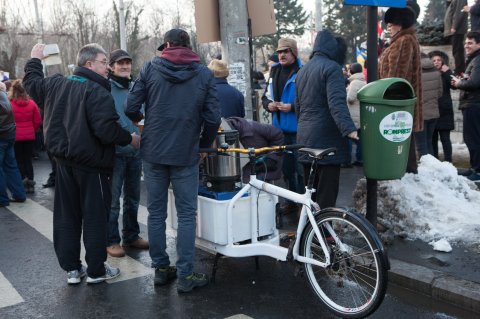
<point>427,64</point>
<point>357,76</point>
<point>177,65</point>
<point>20,102</point>
<point>325,44</point>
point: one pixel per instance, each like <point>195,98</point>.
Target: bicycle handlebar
<point>250,150</point>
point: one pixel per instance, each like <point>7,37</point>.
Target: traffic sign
<point>378,3</point>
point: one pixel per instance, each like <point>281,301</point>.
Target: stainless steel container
<point>223,170</point>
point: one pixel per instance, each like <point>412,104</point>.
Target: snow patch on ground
<point>434,204</point>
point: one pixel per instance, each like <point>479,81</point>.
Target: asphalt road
<point>32,285</point>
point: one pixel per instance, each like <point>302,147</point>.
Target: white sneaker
<point>110,273</point>
<point>75,276</point>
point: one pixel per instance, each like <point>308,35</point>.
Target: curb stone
<point>436,284</point>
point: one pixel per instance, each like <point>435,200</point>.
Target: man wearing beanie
<point>279,98</point>
<point>232,102</point>
<point>181,114</point>
<point>127,169</point>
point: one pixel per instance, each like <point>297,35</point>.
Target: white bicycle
<point>339,250</point>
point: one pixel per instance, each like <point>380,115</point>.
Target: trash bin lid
<point>388,91</point>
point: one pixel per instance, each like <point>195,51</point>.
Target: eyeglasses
<point>283,51</point>
<point>102,62</point>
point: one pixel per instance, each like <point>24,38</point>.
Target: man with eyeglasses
<point>81,130</point>
<point>278,98</point>
<point>469,85</point>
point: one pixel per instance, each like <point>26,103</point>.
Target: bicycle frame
<point>271,246</point>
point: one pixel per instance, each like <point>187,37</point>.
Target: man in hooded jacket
<point>181,105</point>
<point>323,117</point>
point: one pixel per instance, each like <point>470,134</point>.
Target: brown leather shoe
<point>115,251</point>
<point>138,244</point>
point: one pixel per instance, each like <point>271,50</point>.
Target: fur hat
<point>219,68</point>
<point>404,17</point>
<point>286,43</point>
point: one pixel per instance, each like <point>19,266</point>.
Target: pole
<point>39,23</point>
<point>252,59</point>
<point>234,35</point>
<point>318,15</point>
<point>372,56</point>
<point>123,37</point>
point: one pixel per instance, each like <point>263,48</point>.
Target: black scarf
<point>124,82</point>
<point>92,76</point>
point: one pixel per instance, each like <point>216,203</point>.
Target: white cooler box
<point>212,217</point>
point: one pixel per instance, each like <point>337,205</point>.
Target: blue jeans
<point>291,168</point>
<point>126,174</point>
<point>9,174</point>
<point>184,181</point>
<point>424,138</point>
<point>358,149</point>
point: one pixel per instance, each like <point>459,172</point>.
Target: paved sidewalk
<point>449,277</point>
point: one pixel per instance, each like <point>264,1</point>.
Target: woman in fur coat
<point>402,60</point>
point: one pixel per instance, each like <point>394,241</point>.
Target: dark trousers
<point>471,134</point>
<point>82,202</point>
<point>326,183</point>
<point>53,164</point>
<point>412,166</point>
<point>446,144</point>
<point>23,154</point>
<point>458,52</point>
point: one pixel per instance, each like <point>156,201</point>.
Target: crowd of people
<point>92,133</point>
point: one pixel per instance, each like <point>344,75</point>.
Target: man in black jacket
<point>470,101</point>
<point>81,130</point>
<point>180,105</point>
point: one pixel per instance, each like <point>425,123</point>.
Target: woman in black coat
<point>445,123</point>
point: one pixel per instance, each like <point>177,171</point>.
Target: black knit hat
<point>404,17</point>
<point>356,68</point>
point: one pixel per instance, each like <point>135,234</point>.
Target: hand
<point>135,141</point>
<point>453,30</point>
<point>353,135</point>
<point>466,9</point>
<point>444,68</point>
<point>273,106</point>
<point>37,51</point>
<point>284,107</point>
<point>202,156</point>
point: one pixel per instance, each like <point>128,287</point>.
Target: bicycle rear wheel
<point>354,285</point>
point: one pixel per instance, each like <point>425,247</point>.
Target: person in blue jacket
<point>182,114</point>
<point>323,117</point>
<point>127,169</point>
<point>279,99</point>
<point>232,102</point>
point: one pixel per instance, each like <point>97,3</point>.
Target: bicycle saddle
<point>318,153</point>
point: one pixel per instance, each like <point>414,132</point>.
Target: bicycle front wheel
<point>354,285</point>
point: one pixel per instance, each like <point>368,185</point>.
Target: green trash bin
<point>386,119</point>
